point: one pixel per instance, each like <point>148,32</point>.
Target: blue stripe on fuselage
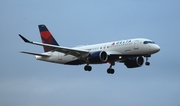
<point>76,62</point>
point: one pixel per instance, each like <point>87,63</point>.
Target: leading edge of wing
<point>65,50</point>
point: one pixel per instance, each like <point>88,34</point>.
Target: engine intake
<point>134,62</point>
<point>97,57</point>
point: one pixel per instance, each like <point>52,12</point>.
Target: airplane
<point>131,52</point>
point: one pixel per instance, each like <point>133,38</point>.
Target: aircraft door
<point>149,47</point>
<point>136,45</point>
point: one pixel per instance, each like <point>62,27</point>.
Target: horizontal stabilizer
<point>45,55</point>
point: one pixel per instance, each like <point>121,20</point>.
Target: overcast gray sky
<point>25,81</point>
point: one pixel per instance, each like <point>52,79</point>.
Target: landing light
<point>120,57</point>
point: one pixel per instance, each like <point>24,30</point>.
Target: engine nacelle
<point>97,57</point>
<point>134,62</point>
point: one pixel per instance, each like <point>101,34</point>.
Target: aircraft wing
<point>65,50</point>
<point>113,53</point>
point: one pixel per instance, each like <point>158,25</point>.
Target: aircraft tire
<point>147,63</point>
<point>110,71</point>
<point>87,68</point>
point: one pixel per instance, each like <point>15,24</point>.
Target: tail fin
<point>47,37</point>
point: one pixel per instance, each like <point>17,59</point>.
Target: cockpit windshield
<point>147,42</point>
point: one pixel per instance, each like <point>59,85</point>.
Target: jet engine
<point>134,62</point>
<point>97,57</point>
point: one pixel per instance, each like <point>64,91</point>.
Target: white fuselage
<point>138,46</point>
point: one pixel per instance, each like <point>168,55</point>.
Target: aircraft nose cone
<point>156,48</point>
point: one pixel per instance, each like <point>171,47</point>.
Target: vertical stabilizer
<point>47,37</point>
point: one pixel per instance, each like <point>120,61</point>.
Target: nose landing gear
<point>147,63</point>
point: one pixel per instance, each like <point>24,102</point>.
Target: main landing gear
<point>87,68</point>
<point>110,70</point>
<point>147,57</point>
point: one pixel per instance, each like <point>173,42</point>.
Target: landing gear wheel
<point>147,63</point>
<point>87,68</point>
<point>110,71</point>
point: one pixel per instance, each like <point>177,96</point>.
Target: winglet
<point>24,39</point>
